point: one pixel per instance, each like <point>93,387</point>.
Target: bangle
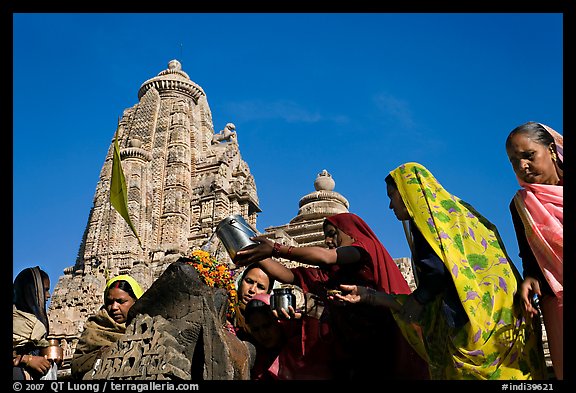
<point>289,252</point>
<point>370,296</point>
<point>276,249</point>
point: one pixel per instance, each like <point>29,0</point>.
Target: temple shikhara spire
<point>182,178</point>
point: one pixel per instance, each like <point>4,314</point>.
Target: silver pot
<point>281,298</point>
<point>235,233</point>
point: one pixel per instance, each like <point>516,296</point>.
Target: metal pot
<point>281,298</point>
<point>53,352</point>
<point>235,233</point>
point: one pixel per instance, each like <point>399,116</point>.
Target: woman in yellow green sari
<point>463,317</point>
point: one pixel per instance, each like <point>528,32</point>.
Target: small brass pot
<point>53,352</point>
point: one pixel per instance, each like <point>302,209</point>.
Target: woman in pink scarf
<point>537,155</point>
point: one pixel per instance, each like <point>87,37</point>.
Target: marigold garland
<point>216,275</point>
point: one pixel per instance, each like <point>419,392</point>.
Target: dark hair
<point>29,294</point>
<point>123,285</point>
<point>255,306</point>
<point>390,181</point>
<point>536,132</point>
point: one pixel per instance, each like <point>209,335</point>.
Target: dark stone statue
<point>175,331</point>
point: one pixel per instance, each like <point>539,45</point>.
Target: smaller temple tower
<point>306,228</point>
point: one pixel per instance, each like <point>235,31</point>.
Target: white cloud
<point>395,109</point>
<point>288,111</point>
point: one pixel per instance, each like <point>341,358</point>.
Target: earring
<point>554,157</point>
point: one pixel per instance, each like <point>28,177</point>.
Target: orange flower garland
<point>215,275</point>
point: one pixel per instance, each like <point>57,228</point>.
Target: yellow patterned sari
<point>497,342</point>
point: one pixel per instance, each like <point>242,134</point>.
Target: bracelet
<point>370,296</point>
<point>289,252</point>
<point>276,249</point>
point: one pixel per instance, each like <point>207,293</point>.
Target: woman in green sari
<point>463,318</point>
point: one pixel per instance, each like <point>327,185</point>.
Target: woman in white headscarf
<point>30,325</point>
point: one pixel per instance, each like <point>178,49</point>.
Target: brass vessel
<point>53,352</point>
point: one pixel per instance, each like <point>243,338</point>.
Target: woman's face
<point>334,237</point>
<point>46,284</point>
<point>254,282</point>
<point>397,203</point>
<point>117,304</point>
<point>532,162</point>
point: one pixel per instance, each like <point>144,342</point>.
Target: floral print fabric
<point>497,342</point>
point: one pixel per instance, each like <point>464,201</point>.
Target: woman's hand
<point>354,294</point>
<point>257,253</point>
<point>37,363</point>
<point>529,287</point>
<point>290,314</point>
<point>360,294</point>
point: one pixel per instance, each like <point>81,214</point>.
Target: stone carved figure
<point>228,134</point>
<point>175,331</point>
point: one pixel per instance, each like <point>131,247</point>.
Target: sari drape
<point>497,342</point>
<point>368,342</point>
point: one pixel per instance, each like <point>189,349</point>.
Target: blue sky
<point>355,94</point>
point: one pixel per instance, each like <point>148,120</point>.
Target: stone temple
<point>182,178</point>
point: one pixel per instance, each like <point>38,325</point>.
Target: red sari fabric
<point>386,275</point>
<point>366,340</point>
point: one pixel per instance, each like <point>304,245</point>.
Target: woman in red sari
<point>536,153</point>
<point>366,345</point>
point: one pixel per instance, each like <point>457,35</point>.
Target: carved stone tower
<point>182,179</point>
<point>306,228</point>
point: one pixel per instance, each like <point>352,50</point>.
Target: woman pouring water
<point>365,345</point>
